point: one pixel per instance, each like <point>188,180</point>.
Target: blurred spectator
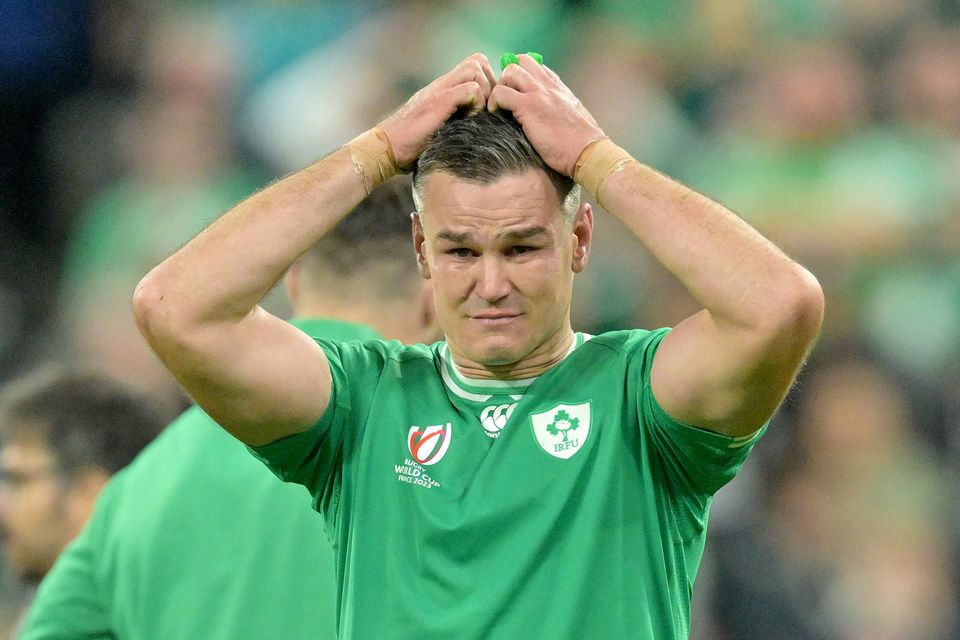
<point>182,176</point>
<point>797,156</point>
<point>855,540</point>
<point>922,103</point>
<point>302,112</point>
<point>637,107</point>
<point>62,436</point>
<point>360,73</point>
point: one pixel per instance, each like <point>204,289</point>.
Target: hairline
<point>568,205</point>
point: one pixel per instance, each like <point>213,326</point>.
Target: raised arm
<point>727,367</point>
<point>257,376</point>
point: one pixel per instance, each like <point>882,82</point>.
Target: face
<point>32,508</point>
<point>501,258</point>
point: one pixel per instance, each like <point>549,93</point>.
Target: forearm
<point>736,274</point>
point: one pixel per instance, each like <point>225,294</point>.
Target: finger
<point>469,70</point>
<point>516,77</point>
<point>504,97</point>
<point>481,79</point>
<point>487,71</point>
<point>468,94</point>
<point>531,66</point>
<point>551,73</point>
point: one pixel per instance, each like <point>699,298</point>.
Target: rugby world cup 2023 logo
<point>428,445</point>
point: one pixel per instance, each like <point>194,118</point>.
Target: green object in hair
<point>511,58</point>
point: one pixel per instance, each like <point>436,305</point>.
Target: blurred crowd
<point>833,126</point>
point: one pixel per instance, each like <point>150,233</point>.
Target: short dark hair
<point>483,148</point>
<point>376,231</point>
<point>84,419</point>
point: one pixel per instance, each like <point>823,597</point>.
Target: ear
<point>582,237</point>
<point>292,283</point>
<point>419,239</point>
<point>85,487</point>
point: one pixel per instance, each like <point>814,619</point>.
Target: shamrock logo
<point>562,423</point>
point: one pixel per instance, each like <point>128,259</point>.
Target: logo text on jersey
<point>563,430</point>
<point>495,416</point>
<point>413,473</point>
<point>429,444</point>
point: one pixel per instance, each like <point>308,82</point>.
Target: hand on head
<point>553,119</point>
<point>467,85</point>
<point>557,124</point>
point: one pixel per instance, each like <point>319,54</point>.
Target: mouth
<point>494,318</point>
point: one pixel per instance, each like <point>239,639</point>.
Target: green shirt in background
<point>195,540</point>
<point>564,506</point>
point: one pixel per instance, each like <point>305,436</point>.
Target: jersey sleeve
<point>701,461</point>
<point>70,603</point>
<point>312,458</point>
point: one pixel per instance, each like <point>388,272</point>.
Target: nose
<point>492,282</point>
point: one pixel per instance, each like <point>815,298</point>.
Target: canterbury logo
<point>494,417</point>
<point>428,445</point>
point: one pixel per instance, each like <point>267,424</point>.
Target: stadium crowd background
<point>831,125</point>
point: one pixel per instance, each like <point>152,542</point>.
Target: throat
<point>535,364</point>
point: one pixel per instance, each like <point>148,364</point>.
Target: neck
<point>356,313</point>
<point>539,361</point>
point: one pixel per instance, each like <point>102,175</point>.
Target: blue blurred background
<point>833,126</point>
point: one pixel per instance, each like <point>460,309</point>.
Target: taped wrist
<point>597,162</point>
<point>373,159</point>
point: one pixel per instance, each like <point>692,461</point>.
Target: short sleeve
<point>701,460</point>
<point>313,458</point>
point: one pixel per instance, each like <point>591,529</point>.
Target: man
<point>63,436</point>
<point>585,516</point>
<point>196,539</point>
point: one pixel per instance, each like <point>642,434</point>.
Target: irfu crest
<point>563,430</point>
<point>562,423</point>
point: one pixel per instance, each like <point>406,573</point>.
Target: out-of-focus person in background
<point>182,173</point>
<point>62,436</point>
<point>921,98</point>
<point>855,540</point>
<point>196,539</point>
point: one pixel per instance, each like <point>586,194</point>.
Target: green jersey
<point>195,540</point>
<point>565,506</point>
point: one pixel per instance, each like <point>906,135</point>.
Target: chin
<point>498,355</point>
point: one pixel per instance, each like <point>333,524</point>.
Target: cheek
<point>541,279</point>
<point>451,283</point>
<point>35,507</point>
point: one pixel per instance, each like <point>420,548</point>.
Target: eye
<point>461,252</point>
<point>519,250</point>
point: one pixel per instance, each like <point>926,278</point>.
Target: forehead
<point>514,200</point>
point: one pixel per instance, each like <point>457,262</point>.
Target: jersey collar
<point>482,389</point>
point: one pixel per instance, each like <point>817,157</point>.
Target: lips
<point>494,318</point>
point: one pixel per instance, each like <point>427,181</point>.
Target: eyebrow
<point>510,236</point>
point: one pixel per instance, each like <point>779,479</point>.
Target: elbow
<point>799,314</point>
<point>152,311</point>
